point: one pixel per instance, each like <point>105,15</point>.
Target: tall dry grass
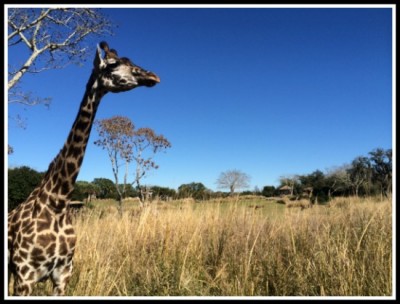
<point>216,249</point>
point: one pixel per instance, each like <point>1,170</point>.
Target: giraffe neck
<point>58,183</point>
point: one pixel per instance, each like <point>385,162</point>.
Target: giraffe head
<point>117,74</point>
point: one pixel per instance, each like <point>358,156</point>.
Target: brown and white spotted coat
<point>41,239</point>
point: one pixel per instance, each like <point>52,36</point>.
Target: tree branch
<point>32,24</point>
<point>23,69</point>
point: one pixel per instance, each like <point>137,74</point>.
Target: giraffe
<point>41,238</point>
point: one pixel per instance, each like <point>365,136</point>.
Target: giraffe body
<point>41,238</point>
<point>42,246</point>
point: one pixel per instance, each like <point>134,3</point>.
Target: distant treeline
<point>364,176</point>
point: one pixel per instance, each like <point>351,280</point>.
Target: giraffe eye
<point>113,65</point>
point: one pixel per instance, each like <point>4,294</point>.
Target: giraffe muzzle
<point>150,79</point>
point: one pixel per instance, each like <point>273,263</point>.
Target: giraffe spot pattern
<point>55,226</point>
<point>31,276</point>
<point>36,252</point>
<point>17,259</point>
<point>76,152</point>
<point>82,125</point>
<point>86,114</point>
<point>50,250</point>
<point>34,263</point>
<point>45,240</point>
<point>80,159</point>
<point>45,215</point>
<point>24,270</point>
<point>23,254</point>
<point>43,225</point>
<point>66,189</point>
<point>43,197</point>
<point>69,231</point>
<point>71,168</point>
<point>27,227</point>
<point>63,171</point>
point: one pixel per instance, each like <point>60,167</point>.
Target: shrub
<point>21,182</point>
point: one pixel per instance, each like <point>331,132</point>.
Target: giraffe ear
<point>98,62</point>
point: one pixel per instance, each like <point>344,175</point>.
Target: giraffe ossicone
<point>41,238</point>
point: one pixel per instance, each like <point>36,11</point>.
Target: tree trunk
<point>120,204</point>
<point>232,188</point>
<point>23,69</point>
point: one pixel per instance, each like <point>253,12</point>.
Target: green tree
<point>338,180</point>
<point>84,191</point>
<point>268,191</point>
<point>79,193</point>
<point>130,191</point>
<point>317,181</point>
<point>163,192</point>
<point>193,190</point>
<point>21,182</point>
<point>381,162</point>
<point>106,188</point>
<point>360,174</point>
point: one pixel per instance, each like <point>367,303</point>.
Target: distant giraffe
<point>41,239</point>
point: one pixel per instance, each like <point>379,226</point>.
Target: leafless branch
<point>27,99</point>
<point>55,37</point>
<point>126,144</point>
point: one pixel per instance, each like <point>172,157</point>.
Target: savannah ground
<point>240,247</point>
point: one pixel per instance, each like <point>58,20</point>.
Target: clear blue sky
<point>268,91</point>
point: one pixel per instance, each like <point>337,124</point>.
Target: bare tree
<point>116,138</point>
<point>51,38</point>
<point>125,145</point>
<point>338,179</point>
<point>146,143</point>
<point>55,35</point>
<point>233,180</point>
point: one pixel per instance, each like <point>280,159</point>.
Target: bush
<point>21,182</point>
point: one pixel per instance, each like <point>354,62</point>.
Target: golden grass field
<point>242,247</point>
